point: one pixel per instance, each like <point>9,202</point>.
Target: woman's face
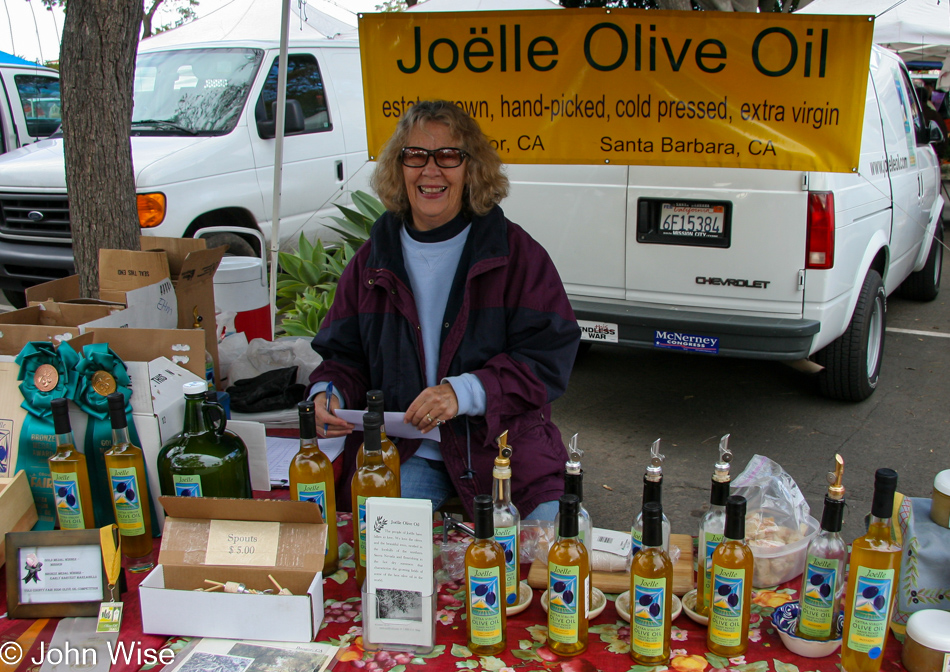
<point>435,194</point>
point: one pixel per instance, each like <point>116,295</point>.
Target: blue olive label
<point>636,535</point>
<point>709,542</point>
<point>67,500</point>
<point>361,512</point>
<point>127,502</point>
<point>648,627</point>
<point>187,485</point>
<point>485,600</point>
<point>563,607</point>
<point>725,613</point>
<point>818,602</point>
<point>316,493</point>
<point>507,538</point>
<point>870,611</point>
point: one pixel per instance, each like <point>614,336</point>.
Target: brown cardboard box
<point>17,510</point>
<point>171,606</point>
<point>184,347</point>
<point>49,321</point>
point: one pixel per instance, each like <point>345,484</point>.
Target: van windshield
<point>192,91</point>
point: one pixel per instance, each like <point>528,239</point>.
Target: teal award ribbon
<point>43,376</point>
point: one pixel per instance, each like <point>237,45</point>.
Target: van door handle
<point>339,171</point>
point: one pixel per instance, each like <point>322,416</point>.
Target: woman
<point>457,315</point>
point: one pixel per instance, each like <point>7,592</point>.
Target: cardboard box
<point>170,605</point>
<point>17,510</point>
<point>53,322</point>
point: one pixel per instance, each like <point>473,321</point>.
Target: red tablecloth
<point>608,645</point>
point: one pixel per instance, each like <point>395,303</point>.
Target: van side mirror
<point>936,133</point>
<point>294,121</point>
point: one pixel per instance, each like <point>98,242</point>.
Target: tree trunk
<point>97,59</point>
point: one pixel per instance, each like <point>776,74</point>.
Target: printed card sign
<point>54,574</point>
<point>242,542</point>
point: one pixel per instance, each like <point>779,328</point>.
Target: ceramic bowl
<point>785,620</point>
<point>597,603</point>
<point>622,606</point>
<point>689,606</point>
<point>525,595</point>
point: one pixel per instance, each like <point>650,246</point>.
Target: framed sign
<point>55,573</point>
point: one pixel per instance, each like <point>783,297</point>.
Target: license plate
<point>599,332</point>
<point>699,223</point>
<point>692,221</point>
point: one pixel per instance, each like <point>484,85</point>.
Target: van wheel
<point>853,361</point>
<point>237,246</point>
<point>924,285</point>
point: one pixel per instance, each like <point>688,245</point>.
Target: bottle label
<point>648,629</point>
<point>725,613</point>
<point>709,543</point>
<point>870,611</point>
<point>563,608</point>
<point>507,538</point>
<point>484,592</point>
<point>126,501</point>
<point>187,486</point>
<point>361,506</point>
<point>316,493</point>
<point>636,535</point>
<point>68,503</point>
<point>818,602</point>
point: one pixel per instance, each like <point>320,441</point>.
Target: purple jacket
<point>508,321</point>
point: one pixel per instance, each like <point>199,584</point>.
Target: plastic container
<point>940,500</point>
<point>240,287</point>
<point>774,566</point>
<point>927,646</point>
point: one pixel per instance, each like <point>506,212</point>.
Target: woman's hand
<point>433,407</point>
<point>336,427</point>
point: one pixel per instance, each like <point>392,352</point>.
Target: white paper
<point>609,541</point>
<point>151,307</point>
<point>51,574</point>
<point>280,453</point>
<point>394,424</point>
<point>77,646</point>
<point>252,656</point>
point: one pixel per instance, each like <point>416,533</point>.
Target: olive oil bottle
<point>374,404</point>
<point>712,526</point>
<point>485,585</point>
<point>568,585</point>
<point>373,479</point>
<point>311,480</point>
<point>652,492</point>
<point>651,593</point>
<point>130,500</point>
<point>506,518</point>
<point>71,490</point>
<point>728,633</point>
<point>872,582</point>
<point>826,560</point>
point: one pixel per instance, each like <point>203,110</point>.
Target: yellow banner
<point>629,86</point>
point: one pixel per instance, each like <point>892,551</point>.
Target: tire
<point>924,285</point>
<point>853,361</point>
<point>237,246</point>
<point>15,297</point>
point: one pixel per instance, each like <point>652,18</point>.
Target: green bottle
<point>205,460</point>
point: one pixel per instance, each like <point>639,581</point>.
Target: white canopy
<point>476,5</point>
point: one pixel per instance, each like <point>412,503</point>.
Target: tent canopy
<point>10,59</point>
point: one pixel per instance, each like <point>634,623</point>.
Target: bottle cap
<point>484,522</point>
<point>719,492</point>
<point>60,408</point>
<point>374,401</point>
<point>372,420</point>
<point>652,524</point>
<point>117,410</point>
<point>194,388</point>
<point>567,514</point>
<point>652,490</point>
<point>833,514</point>
<point>308,423</point>
<point>574,485</point>
<point>885,484</point>
<point>735,517</point>
<point>942,482</point>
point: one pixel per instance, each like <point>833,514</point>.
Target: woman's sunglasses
<point>445,157</point>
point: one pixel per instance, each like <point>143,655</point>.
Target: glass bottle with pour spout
<point>375,404</point>
<point>574,485</point>
<point>67,466</point>
<point>826,560</point>
<point>652,492</point>
<point>713,525</point>
<point>506,518</point>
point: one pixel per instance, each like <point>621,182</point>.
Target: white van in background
<point>30,108</point>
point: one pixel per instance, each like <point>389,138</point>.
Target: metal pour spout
<point>835,489</point>
<point>575,454</point>
<point>655,468</point>
<point>721,475</point>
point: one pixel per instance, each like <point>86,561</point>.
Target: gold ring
<point>428,417</point>
<point>439,422</point>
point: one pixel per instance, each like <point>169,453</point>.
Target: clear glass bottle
<point>825,564</point>
<point>574,485</point>
<point>130,499</point>
<point>311,480</point>
<point>373,479</point>
<point>506,518</point>
<point>713,525</point>
<point>71,490</point>
<point>485,586</point>
<point>728,631</point>
<point>872,583</point>
<point>568,585</point>
<point>651,593</point>
<point>205,459</point>
<point>375,404</point>
<point>652,492</point>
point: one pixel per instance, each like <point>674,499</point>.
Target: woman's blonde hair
<point>485,182</point>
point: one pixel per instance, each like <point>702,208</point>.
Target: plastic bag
<point>262,356</point>
<point>770,492</point>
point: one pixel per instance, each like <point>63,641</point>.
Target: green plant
<point>307,278</point>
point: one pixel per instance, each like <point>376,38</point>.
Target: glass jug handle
<point>214,417</point>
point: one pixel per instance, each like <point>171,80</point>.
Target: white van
<point>30,108</point>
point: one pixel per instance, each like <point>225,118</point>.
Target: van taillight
<point>820,252</point>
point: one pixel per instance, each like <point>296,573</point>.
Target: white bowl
<point>525,595</point>
<point>689,606</point>
<point>597,602</point>
<point>785,620</point>
<point>622,606</point>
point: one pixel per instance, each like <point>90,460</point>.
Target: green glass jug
<point>206,459</point>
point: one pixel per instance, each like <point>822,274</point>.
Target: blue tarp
<point>9,59</point>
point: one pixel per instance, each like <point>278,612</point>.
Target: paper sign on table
<point>242,542</point>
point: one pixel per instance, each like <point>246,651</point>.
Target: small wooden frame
<point>32,557</point>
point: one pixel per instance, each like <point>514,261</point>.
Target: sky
<point>29,30</point>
